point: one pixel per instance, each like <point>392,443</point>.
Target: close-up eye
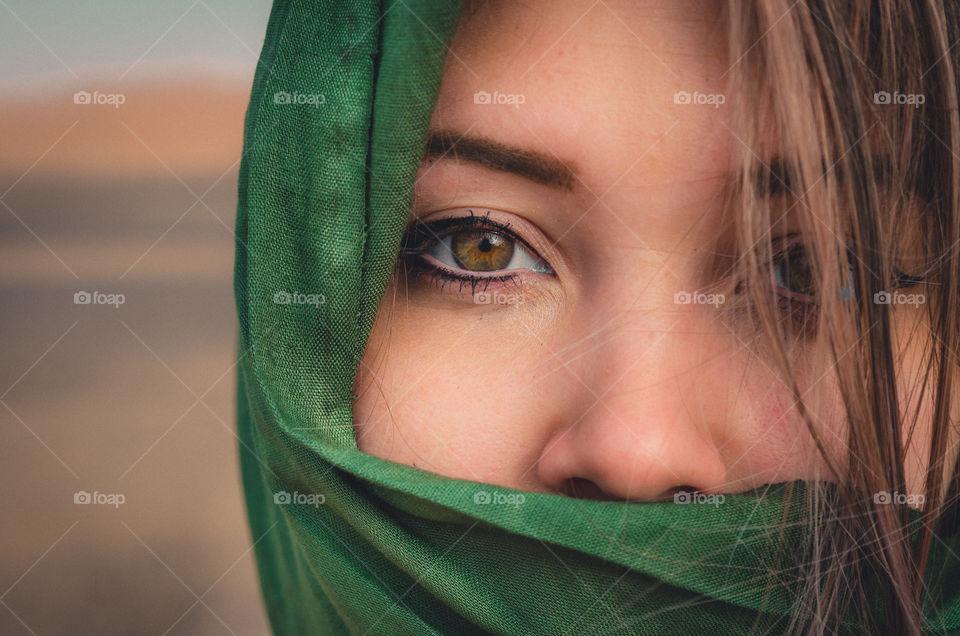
<point>794,278</point>
<point>795,283</point>
<point>471,248</point>
<point>793,274</point>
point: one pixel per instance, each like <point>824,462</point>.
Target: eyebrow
<point>550,171</point>
<point>488,153</point>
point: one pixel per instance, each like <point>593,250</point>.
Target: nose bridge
<point>638,426</point>
<point>649,353</point>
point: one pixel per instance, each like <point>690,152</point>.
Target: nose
<point>646,459</point>
<point>649,434</point>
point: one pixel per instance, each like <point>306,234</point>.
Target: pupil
<point>799,276</point>
<point>482,251</point>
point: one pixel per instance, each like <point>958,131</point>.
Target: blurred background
<point>120,140</point>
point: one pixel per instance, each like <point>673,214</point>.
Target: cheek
<point>770,441</point>
<point>451,397</point>
<point>916,412</point>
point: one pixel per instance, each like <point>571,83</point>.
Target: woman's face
<point>597,132</point>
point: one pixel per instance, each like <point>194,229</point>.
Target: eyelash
<point>421,237</point>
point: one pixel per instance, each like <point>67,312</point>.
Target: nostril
<point>580,488</point>
<point>668,495</point>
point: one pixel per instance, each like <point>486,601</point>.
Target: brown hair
<point>872,174</point>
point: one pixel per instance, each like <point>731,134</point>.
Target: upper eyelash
<point>420,233</point>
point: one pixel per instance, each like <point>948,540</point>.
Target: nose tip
<point>604,463</point>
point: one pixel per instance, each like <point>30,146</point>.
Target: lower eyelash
<point>800,311</point>
<point>439,277</point>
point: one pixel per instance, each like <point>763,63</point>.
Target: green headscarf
<point>350,543</point>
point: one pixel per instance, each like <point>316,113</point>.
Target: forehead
<point>595,85</point>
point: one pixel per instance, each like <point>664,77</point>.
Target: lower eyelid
<point>786,292</point>
<point>513,288</point>
<point>469,288</point>
<point>433,263</point>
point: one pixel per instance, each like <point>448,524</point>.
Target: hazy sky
<point>46,42</point>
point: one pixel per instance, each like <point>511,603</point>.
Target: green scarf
<point>349,543</point>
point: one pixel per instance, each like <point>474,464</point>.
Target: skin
<point>598,384</point>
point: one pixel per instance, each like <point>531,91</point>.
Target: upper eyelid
<point>901,278</point>
<point>783,244</point>
<point>451,225</point>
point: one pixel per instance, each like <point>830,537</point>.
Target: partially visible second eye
<point>796,284</point>
<point>793,273</point>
